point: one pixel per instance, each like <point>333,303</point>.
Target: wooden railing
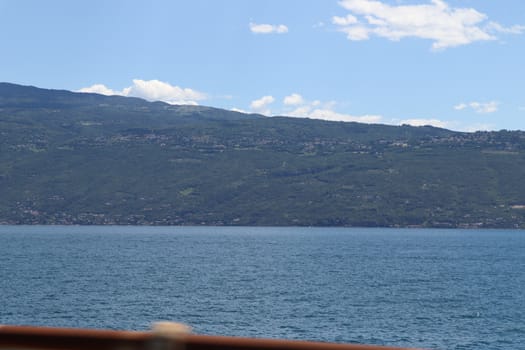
<point>23,337</point>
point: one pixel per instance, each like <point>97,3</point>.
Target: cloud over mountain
<point>261,105</point>
<point>152,90</point>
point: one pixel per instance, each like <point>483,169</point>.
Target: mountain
<point>79,158</point>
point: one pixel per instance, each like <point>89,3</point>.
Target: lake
<point>437,289</point>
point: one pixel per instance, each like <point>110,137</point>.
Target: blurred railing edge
<point>48,338</point>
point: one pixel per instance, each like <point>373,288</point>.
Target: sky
<point>453,64</point>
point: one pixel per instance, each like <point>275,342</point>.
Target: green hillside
<point>71,158</point>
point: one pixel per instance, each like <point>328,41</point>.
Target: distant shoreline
<point>412,227</point>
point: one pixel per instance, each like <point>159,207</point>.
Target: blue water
<point>438,289</point>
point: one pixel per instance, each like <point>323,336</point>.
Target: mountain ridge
<point>77,158</point>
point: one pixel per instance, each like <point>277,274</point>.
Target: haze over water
<point>439,289</point>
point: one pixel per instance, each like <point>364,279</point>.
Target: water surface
<point>440,289</point>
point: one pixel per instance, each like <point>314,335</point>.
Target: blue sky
<point>455,64</point>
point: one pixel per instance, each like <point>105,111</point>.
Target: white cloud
<point>356,33</point>
<point>152,90</point>
<point>261,105</point>
<point>446,26</point>
<point>155,90</point>
<point>423,122</point>
<point>325,111</point>
<point>99,89</point>
<point>328,114</point>
<point>460,106</point>
<point>488,107</point>
<point>300,112</point>
<point>268,28</point>
<point>234,109</point>
<point>479,107</point>
<point>293,99</point>
<point>344,21</point>
<point>496,27</point>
